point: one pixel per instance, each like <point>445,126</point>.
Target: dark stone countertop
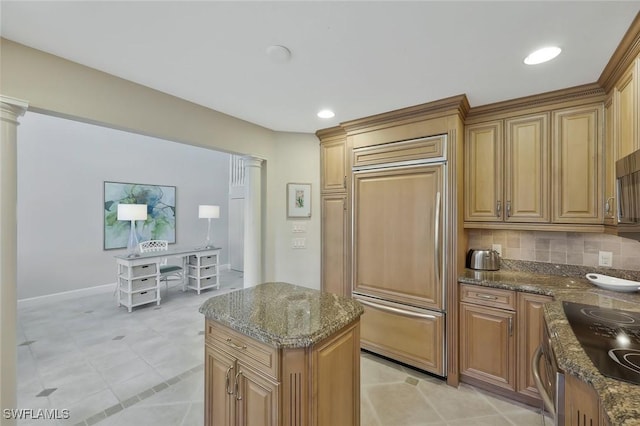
<point>620,400</point>
<point>282,315</point>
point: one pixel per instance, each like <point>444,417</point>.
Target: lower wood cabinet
<point>499,333</point>
<point>250,383</point>
<point>582,406</point>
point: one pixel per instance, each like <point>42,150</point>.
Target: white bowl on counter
<point>612,283</point>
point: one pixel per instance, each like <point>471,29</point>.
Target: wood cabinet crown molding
<point>624,55</point>
<point>542,102</point>
<point>335,132</point>
<point>453,105</point>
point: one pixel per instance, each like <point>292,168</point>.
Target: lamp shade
<point>208,212</point>
<point>132,212</point>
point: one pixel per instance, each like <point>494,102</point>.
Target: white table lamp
<point>208,212</point>
<point>132,212</point>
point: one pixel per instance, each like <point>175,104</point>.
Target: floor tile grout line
<point>147,393</point>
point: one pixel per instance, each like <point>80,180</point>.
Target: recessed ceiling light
<point>326,113</point>
<point>542,55</point>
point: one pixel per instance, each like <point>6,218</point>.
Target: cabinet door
<point>577,165</point>
<point>219,370</point>
<point>336,380</point>
<point>582,407</point>
<point>609,163</point>
<point>487,345</point>
<point>530,335</point>
<point>256,398</point>
<point>626,104</point>
<point>398,230</point>
<point>527,169</point>
<point>483,172</point>
<point>334,244</point>
<point>333,158</point>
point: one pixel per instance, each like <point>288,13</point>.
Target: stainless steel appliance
<point>550,384</point>
<point>628,189</point>
<point>483,260</point>
<point>399,224</point>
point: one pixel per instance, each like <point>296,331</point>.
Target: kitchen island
<point>619,400</point>
<point>281,354</point>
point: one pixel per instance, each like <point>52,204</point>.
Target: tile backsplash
<point>568,248</point>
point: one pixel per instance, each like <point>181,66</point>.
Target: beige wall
<point>567,248</point>
<point>55,86</point>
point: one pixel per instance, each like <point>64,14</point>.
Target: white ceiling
<point>356,57</point>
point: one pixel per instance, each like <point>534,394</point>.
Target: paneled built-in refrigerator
<point>399,215</point>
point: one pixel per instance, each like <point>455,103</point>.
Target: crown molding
<point>624,55</point>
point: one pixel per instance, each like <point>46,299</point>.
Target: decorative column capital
<point>251,161</point>
<point>12,108</point>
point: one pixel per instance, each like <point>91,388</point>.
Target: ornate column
<point>252,221</point>
<point>10,110</point>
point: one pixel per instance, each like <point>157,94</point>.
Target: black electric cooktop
<point>611,338</point>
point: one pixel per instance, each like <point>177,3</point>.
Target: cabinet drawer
<point>142,270</point>
<point>204,260</point>
<point>204,282</point>
<point>137,284</point>
<point>139,298</point>
<point>404,333</point>
<point>397,152</point>
<point>486,296</point>
<point>205,271</point>
<point>256,354</point>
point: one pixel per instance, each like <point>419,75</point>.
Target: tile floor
<point>109,367</point>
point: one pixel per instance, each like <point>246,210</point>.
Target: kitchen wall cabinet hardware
<point>248,382</point>
<point>500,331</point>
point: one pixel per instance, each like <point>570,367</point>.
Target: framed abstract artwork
<point>298,200</point>
<point>161,213</point>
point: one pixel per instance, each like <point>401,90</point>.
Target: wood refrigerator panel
<point>398,229</point>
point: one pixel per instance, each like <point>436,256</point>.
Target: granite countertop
<point>282,315</point>
<point>620,400</point>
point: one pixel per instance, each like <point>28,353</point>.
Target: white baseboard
<point>82,292</point>
<point>67,295</point>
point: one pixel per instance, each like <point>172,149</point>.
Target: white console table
<point>138,278</point>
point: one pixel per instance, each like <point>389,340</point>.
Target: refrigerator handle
<point>436,239</point>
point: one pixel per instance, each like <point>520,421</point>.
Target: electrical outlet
<point>605,258</point>
<point>498,248</point>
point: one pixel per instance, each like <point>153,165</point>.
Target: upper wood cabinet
<point>626,100</point>
<point>538,169</point>
<point>335,164</point>
<point>577,165</point>
<point>507,170</point>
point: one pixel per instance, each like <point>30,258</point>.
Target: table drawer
<point>204,260</point>
<point>257,354</point>
<point>487,296</point>
<point>143,270</point>
<point>138,284</point>
<point>206,271</point>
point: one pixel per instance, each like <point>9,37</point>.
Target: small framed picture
<point>298,200</point>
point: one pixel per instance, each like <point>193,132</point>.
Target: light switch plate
<point>605,258</point>
<point>298,243</point>
<point>298,227</point>
<point>498,248</point>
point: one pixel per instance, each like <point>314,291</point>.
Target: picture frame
<point>298,200</point>
<point>161,213</point>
